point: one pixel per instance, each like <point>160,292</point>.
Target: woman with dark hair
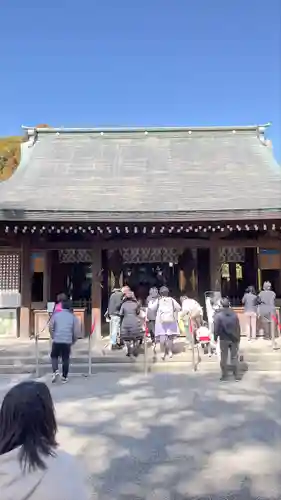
<point>166,324</point>
<point>31,466</point>
<point>131,324</point>
<point>61,297</point>
<point>250,302</point>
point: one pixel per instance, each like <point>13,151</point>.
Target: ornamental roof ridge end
<point>260,129</point>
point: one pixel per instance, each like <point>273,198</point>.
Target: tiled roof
<point>192,174</point>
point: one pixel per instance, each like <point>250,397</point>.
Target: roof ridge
<point>241,128</point>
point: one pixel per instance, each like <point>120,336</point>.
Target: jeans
<point>251,324</point>
<point>132,347</point>
<point>60,351</point>
<point>114,328</point>
<point>225,346</point>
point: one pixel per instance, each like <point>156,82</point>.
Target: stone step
<point>81,357</point>
<point>174,365</point>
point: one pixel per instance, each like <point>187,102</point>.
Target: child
<point>204,338</point>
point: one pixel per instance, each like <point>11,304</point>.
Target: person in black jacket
<point>227,330</point>
<point>131,325</point>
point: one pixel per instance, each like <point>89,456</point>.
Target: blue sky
<point>141,62</point>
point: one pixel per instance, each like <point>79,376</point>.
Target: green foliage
<point>10,148</point>
<point>9,155</point>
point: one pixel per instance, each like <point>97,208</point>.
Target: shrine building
<point>88,210</point>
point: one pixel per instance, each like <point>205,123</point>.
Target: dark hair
<point>225,302</point>
<point>164,291</point>
<point>251,289</point>
<point>61,297</point>
<point>27,420</point>
<point>183,298</point>
<point>66,304</point>
<point>130,296</point>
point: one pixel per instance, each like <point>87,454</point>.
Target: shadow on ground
<point>175,436</point>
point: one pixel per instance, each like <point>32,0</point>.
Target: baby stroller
<point>204,339</point>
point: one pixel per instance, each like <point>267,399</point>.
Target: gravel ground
<point>173,436</point>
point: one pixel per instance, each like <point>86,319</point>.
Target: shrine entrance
<point>72,274</point>
<point>141,277</point>
<point>144,267</point>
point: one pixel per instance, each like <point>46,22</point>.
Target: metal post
<point>145,360</point>
<point>194,367</point>
<point>36,356</point>
<point>90,355</point>
<point>272,332</point>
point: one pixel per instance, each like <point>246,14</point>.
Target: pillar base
<point>25,324</point>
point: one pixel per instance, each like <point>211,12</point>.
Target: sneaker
<point>223,378</point>
<point>55,377</point>
<point>64,380</point>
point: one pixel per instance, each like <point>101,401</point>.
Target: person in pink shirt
<point>60,298</point>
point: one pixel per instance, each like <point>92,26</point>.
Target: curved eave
<point>67,130</point>
<point>173,216</point>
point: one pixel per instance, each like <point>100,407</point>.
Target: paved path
<point>173,436</point>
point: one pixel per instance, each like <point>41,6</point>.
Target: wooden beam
<point>170,242</point>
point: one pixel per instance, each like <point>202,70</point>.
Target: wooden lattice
<point>70,255</point>
<point>9,272</point>
<point>232,254</point>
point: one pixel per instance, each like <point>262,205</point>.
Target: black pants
<point>151,329</point>
<point>132,347</point>
<point>225,346</point>
<point>60,351</point>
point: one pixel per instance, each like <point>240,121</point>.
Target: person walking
<point>152,300</point>
<point>61,297</point>
<point>227,330</point>
<point>250,302</point>
<point>64,330</point>
<point>192,316</point>
<point>31,464</point>
<point>114,306</point>
<point>166,323</point>
<point>131,323</point>
<point>267,309</point>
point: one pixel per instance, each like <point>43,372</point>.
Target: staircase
<point>18,357</point>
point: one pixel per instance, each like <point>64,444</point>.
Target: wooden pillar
<point>96,289</point>
<point>215,268</point>
<point>25,310</point>
<point>47,277</point>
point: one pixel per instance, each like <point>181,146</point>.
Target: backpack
<point>196,310</point>
<point>152,313</point>
<point>166,310</point>
<point>192,309</point>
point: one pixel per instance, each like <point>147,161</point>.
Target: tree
<point>10,148</point>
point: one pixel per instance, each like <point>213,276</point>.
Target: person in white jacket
<point>31,465</point>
